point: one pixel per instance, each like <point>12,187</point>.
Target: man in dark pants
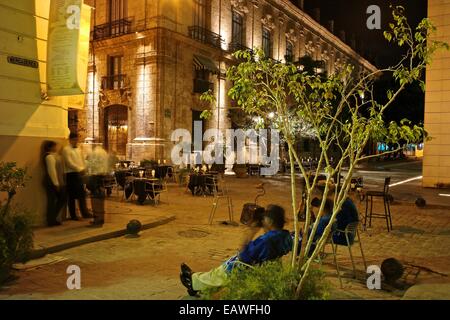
<point>74,168</point>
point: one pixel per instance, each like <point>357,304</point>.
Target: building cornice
<point>315,28</point>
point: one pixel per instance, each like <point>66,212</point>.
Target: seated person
<point>323,222</point>
<point>273,244</point>
<point>347,215</point>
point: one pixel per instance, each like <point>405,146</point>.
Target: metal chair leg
<point>335,262</point>
<point>371,211</point>
<point>386,212</point>
<point>389,213</point>
<point>353,261</point>
<point>230,209</point>
<point>349,246</point>
<point>365,216</point>
<point>362,252</point>
<point>213,210</point>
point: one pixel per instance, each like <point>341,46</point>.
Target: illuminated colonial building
<point>436,163</point>
<point>151,60</point>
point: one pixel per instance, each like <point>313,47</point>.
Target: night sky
<point>350,15</point>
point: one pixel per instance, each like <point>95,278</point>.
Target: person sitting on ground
<point>273,244</point>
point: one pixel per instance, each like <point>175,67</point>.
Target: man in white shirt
<point>97,168</point>
<point>74,168</point>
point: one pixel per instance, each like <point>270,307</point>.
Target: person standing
<point>53,183</point>
<point>74,168</point>
<point>98,169</point>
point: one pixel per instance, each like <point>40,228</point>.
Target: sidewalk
<point>400,171</point>
<point>76,233</point>
<point>410,191</point>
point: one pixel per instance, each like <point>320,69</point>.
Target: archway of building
<point>115,133</point>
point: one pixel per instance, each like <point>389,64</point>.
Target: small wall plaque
<point>23,62</point>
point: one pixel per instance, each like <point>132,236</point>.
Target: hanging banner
<point>68,47</point>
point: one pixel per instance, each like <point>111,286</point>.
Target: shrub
<point>16,234</point>
<point>16,239</point>
<point>270,281</point>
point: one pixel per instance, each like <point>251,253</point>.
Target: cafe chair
<point>162,188</point>
<point>351,235</point>
<point>110,183</point>
<point>384,194</point>
<point>128,187</point>
<point>171,175</point>
<point>219,191</point>
<point>254,170</point>
<point>185,179</point>
<point>154,189</point>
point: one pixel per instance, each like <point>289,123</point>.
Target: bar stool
<point>386,200</point>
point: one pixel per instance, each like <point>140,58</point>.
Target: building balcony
<point>112,29</point>
<point>289,58</point>
<point>205,36</point>
<point>202,86</point>
<point>236,46</point>
<point>114,82</point>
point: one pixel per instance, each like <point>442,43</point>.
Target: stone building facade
<point>436,162</point>
<point>151,60</point>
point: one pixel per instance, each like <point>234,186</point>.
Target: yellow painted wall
<point>436,165</point>
<point>23,33</point>
<point>26,119</point>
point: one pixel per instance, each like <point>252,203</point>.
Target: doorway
<point>116,129</point>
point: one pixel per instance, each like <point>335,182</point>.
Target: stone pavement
<point>75,233</point>
<point>147,267</point>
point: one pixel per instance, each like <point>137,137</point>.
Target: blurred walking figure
<point>98,169</point>
<point>53,182</point>
<point>74,168</point>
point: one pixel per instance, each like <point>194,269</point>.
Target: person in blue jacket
<point>323,223</point>
<point>273,244</point>
<point>347,215</point>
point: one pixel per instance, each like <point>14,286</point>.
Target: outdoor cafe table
<point>143,188</point>
<point>121,176</point>
<point>161,171</point>
<point>198,183</point>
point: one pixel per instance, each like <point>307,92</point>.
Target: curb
<point>37,253</point>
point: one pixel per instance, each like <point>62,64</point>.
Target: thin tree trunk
<point>294,205</point>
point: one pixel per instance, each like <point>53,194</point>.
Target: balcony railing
<point>114,82</point>
<point>112,29</point>
<point>289,58</point>
<point>236,46</point>
<point>202,86</point>
<point>205,36</point>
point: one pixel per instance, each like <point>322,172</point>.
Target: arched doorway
<point>116,129</point>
